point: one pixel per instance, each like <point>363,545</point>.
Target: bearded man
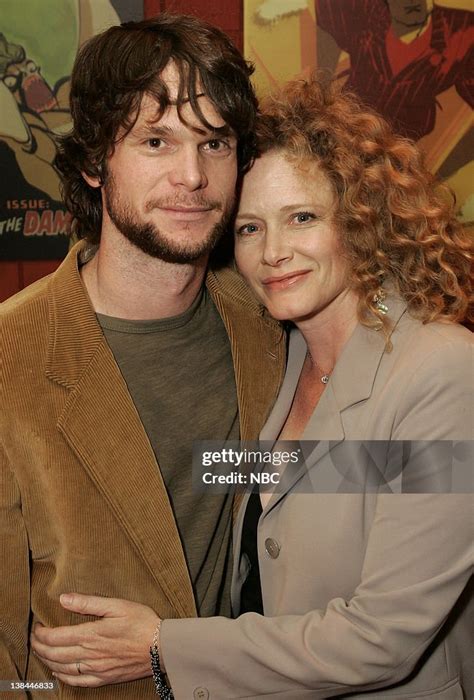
<point>134,348</point>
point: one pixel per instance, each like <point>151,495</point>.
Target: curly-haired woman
<point>365,591</point>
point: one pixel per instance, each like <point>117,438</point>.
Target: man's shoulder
<point>35,298</point>
<point>25,318</point>
<point>25,330</point>
<point>30,302</point>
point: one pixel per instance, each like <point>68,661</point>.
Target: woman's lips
<point>284,281</point>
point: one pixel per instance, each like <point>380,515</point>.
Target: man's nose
<point>189,170</point>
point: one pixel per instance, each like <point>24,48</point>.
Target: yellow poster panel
<point>38,43</point>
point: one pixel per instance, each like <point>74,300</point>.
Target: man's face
<point>169,186</point>
<point>410,13</point>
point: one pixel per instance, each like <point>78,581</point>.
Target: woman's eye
<point>247,229</point>
<point>303,217</point>
<point>154,143</point>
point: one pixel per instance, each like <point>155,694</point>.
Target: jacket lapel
<point>258,349</point>
<point>352,381</point>
<point>281,409</point>
<point>102,427</point>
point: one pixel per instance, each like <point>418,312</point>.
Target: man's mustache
<point>174,203</point>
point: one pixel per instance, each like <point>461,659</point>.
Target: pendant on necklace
<point>325,378</point>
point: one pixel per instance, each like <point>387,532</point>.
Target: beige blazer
<point>82,502</point>
<point>366,595</point>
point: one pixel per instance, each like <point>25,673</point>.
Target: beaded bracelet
<point>159,678</point>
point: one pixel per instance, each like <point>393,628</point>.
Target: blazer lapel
<point>351,382</point>
<point>102,427</point>
<point>281,409</point>
<point>323,416</point>
<point>236,552</point>
<point>323,432</point>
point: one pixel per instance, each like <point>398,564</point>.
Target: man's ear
<point>93,181</point>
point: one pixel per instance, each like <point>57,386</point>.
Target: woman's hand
<point>114,649</point>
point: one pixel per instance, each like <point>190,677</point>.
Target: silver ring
<point>78,666</point>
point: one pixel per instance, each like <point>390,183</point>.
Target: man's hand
<point>114,649</point>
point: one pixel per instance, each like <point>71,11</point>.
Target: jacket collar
<point>71,316</point>
<point>354,375</point>
<point>352,381</point>
<point>258,348</point>
<point>75,335</point>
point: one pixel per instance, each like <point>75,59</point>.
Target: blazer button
<point>272,547</point>
<point>201,694</point>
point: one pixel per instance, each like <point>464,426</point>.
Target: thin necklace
<point>323,376</point>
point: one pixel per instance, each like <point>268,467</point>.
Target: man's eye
<point>302,217</point>
<point>154,143</point>
<point>216,145</point>
<point>247,229</point>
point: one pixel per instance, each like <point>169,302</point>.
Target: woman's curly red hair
<point>397,222</point>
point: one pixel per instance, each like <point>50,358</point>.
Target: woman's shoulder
<point>434,338</point>
<point>431,377</point>
<point>438,354</point>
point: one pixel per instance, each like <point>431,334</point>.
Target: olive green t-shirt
<point>180,375</point>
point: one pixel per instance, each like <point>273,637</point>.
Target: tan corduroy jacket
<point>82,502</point>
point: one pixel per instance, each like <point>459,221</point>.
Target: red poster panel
<point>412,62</point>
<point>226,15</point>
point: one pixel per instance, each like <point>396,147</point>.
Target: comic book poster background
<point>412,60</point>
<point>38,43</point>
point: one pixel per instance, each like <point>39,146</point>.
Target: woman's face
<point>286,243</point>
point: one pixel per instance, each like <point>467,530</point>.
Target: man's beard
<point>149,239</point>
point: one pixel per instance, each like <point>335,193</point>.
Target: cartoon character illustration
<point>32,112</point>
<point>31,116</point>
<point>403,55</point>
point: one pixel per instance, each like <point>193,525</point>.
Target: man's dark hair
<point>113,71</point>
